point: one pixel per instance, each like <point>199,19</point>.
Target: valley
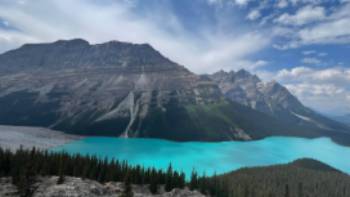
<point>130,90</point>
<point>127,102</point>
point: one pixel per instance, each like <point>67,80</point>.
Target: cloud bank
<point>326,90</point>
<point>207,51</point>
<point>260,36</point>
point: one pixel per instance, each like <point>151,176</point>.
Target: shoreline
<point>14,137</point>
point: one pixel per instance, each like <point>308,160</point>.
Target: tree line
<point>23,166</point>
<point>301,178</point>
<point>304,178</point>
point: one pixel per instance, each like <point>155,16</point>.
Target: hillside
<point>128,90</point>
<point>344,119</point>
<point>37,173</point>
<point>119,89</point>
<point>305,177</point>
<point>275,100</point>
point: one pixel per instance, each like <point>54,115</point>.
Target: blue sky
<point>303,44</point>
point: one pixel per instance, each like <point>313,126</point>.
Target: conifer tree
<point>127,192</point>
<point>169,179</point>
<point>194,180</point>
<point>153,187</point>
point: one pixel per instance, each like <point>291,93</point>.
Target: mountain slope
<point>128,90</point>
<point>275,100</point>
<point>119,89</point>
<point>305,177</point>
<point>344,119</point>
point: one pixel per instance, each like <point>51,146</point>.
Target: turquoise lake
<point>218,157</point>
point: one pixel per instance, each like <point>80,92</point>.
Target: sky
<point>303,44</point>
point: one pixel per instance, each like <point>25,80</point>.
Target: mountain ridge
<point>272,98</point>
<point>127,90</point>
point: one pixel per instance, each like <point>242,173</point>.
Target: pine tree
<point>182,180</point>
<point>169,179</point>
<point>61,173</point>
<point>127,192</point>
<point>194,180</point>
<point>153,187</point>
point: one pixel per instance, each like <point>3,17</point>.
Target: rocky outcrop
<point>77,187</point>
<point>275,100</point>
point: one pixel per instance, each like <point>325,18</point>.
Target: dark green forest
<point>302,178</point>
<point>24,166</point>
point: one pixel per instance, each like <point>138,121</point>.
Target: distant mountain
<point>119,89</point>
<point>300,178</point>
<point>131,90</point>
<point>275,100</point>
<point>344,119</point>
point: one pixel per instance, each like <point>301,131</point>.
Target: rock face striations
<point>275,100</point>
<point>116,89</point>
<point>131,90</point>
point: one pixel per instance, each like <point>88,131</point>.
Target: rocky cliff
<point>275,100</point>
<point>118,89</point>
<point>131,90</point>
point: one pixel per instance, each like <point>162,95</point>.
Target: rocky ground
<point>76,187</point>
<point>13,137</point>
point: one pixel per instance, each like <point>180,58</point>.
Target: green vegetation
<point>303,178</point>
<point>25,165</point>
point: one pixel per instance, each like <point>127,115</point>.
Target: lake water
<point>216,157</point>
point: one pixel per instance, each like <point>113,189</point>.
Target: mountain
<point>130,90</point>
<point>305,177</point>
<point>120,89</point>
<point>344,119</point>
<point>275,100</point>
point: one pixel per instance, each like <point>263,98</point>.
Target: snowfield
<point>13,137</point>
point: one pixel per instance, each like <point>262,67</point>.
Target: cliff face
<point>131,90</point>
<point>275,100</point>
<point>114,89</point>
<point>76,187</point>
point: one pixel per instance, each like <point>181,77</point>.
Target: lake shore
<point>13,137</point>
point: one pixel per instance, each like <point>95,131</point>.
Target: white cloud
<point>327,90</point>
<point>321,29</point>
<point>43,21</point>
<point>241,2</point>
<point>236,2</point>
<point>282,4</point>
<point>309,52</point>
<point>253,15</point>
<point>337,31</point>
<point>311,60</point>
<point>304,15</point>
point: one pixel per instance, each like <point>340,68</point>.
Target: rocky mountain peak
<point>76,41</point>
<point>78,54</point>
<point>242,73</point>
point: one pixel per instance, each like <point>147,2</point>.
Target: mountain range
<point>273,99</point>
<point>132,90</point>
<point>344,119</point>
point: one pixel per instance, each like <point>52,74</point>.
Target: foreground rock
<point>76,187</point>
<point>13,137</point>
